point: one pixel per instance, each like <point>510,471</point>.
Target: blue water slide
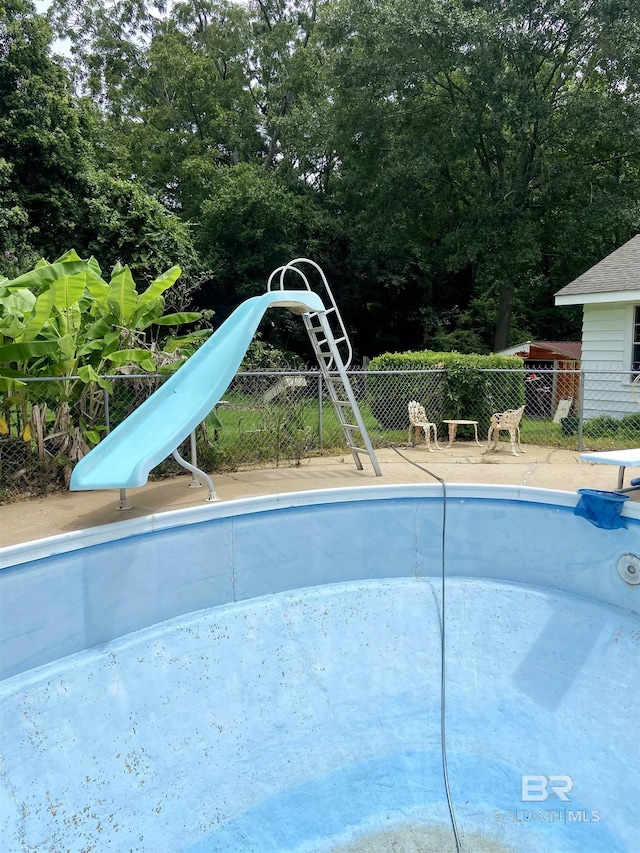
<point>124,458</point>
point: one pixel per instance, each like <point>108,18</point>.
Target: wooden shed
<point>552,375</point>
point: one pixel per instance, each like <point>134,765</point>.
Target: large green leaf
<point>97,287</point>
<point>88,374</point>
<point>40,315</point>
<point>96,331</point>
<point>67,346</point>
<point>15,306</point>
<point>178,319</point>
<point>110,343</point>
<point>122,296</point>
<point>141,357</point>
<point>172,344</point>
<point>70,255</point>
<point>160,284</point>
<point>47,274</point>
<point>24,351</point>
<point>147,315</point>
<point>89,347</point>
<point>94,266</point>
<point>12,373</point>
<point>7,385</point>
<point>172,366</point>
<point>11,326</point>
<point>21,300</point>
<point>68,289</point>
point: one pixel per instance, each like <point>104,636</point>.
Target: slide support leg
<point>124,503</point>
<point>196,471</point>
<point>195,482</point>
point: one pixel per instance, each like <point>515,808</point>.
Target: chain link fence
<point>276,418</point>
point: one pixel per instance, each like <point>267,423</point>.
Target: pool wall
<point>68,593</point>
<point>263,676</point>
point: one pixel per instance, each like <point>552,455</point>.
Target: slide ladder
<point>332,348</point>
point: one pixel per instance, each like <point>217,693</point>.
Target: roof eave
<point>618,296</point>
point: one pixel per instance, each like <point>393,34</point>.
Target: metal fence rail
<point>273,418</point>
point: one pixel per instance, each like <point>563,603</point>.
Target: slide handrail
<point>329,300</point>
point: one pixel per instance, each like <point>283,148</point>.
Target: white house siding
<point>606,346</point>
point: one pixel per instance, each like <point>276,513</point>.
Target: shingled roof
<point>619,271</point>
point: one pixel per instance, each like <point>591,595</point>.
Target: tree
<point>14,224</point>
<point>451,164</point>
<point>282,62</point>
<point>42,150</point>
<point>193,111</point>
<point>250,225</point>
<point>55,189</point>
<point>120,220</point>
<point>480,107</point>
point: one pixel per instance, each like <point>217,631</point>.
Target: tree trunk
<point>273,147</point>
<point>505,310</point>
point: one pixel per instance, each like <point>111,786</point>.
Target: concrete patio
<point>542,467</point>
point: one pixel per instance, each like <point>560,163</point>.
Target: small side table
<point>453,428</point>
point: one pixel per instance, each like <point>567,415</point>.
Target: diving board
<point>622,458</point>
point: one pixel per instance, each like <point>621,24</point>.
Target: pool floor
<point>309,722</point>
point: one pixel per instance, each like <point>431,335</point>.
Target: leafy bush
<point>459,386</point>
<point>629,426</point>
<point>603,426</point>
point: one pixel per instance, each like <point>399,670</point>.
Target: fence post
<point>106,410</point>
<point>320,391</point>
<point>581,412</point>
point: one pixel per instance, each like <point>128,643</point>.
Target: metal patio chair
<point>418,421</point>
<point>507,421</point>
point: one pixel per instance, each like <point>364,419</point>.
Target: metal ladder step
<point>338,384</point>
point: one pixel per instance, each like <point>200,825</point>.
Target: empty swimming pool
<point>264,675</point>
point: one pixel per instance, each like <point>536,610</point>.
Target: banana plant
<point>64,319</point>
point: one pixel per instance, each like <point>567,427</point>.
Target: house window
<point>635,349</point>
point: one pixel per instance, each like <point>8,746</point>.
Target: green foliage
<point>250,207</point>
<point>261,355</point>
<point>457,128</point>
<point>84,321</point>
<point>42,151</point>
<point>120,219</point>
<point>450,165</point>
<point>462,386</point>
<point>601,427</point>
<point>626,428</point>
<point>192,94</point>
<point>460,340</point>
<point>65,320</point>
<point>630,424</point>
